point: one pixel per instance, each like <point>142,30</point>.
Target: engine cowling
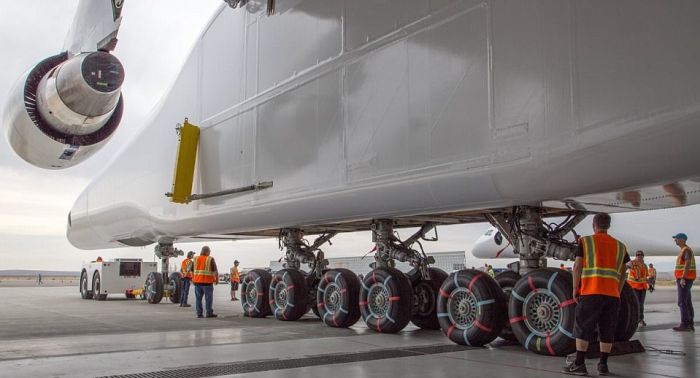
<point>65,109</point>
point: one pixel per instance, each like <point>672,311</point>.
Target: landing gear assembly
<point>530,304</point>
<point>164,284</point>
<point>388,298</point>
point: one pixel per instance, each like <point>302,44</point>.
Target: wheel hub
<point>281,296</point>
<point>542,312</point>
<point>251,293</point>
<point>331,298</point>
<point>462,308</point>
<point>378,300</point>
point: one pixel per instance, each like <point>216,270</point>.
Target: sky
<point>154,39</point>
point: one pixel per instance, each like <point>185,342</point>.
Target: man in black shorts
<point>599,275</point>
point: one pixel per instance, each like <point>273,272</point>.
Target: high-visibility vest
<point>202,270</point>
<point>235,275</point>
<point>680,265</point>
<point>652,273</point>
<point>603,257</point>
<point>637,276</point>
<point>186,268</point>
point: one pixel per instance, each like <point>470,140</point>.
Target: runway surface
<point>51,332</point>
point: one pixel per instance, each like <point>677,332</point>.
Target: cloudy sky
<point>154,39</point>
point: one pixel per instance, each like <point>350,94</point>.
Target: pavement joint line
<point>111,351</point>
<point>292,363</point>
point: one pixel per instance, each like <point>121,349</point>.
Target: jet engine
<point>65,108</point>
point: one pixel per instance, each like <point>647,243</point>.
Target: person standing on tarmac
<point>651,277</point>
<point>235,280</point>
<point>186,270</point>
<point>599,271</point>
<point>637,279</point>
<point>205,275</point>
<point>490,271</point>
<point>685,275</point>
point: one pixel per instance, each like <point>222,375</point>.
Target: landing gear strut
<point>388,298</point>
<point>159,285</point>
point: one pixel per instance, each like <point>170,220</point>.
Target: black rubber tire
<point>425,295</point>
<point>481,297</point>
<point>84,292</point>
<point>288,295</point>
<point>154,287</point>
<point>176,284</point>
<point>395,287</point>
<point>96,288</point>
<point>507,280</point>
<point>555,286</point>
<point>344,310</point>
<point>255,288</point>
<point>628,317</point>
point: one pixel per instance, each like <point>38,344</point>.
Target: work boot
<point>574,369</point>
<point>212,316</point>
<point>200,316</point>
<point>603,369</point>
<point>683,328</point>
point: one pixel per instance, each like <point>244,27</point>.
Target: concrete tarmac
<point>50,331</point>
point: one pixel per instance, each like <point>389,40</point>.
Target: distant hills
<point>48,273</point>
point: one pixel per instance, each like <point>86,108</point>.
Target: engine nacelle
<point>65,109</point>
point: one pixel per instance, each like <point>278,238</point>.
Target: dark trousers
<point>208,292</point>
<point>641,296</point>
<point>185,290</point>
<point>685,302</point>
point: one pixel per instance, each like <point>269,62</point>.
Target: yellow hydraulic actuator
<point>185,163</point>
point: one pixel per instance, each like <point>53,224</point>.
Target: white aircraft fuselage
<point>393,109</point>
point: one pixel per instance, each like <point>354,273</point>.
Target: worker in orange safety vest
<point>235,278</point>
<point>186,272</point>
<point>205,275</point>
<point>598,278</point>
<point>685,276</point>
<point>637,279</point>
<point>651,277</point>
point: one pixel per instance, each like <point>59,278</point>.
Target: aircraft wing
<point>94,27</point>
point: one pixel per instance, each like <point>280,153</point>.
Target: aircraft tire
<point>386,300</point>
<point>96,285</point>
<point>288,295</point>
<point>154,287</point>
<point>542,310</point>
<point>255,288</point>
<point>338,297</point>
<point>84,292</point>
<point>470,308</point>
<point>425,294</point>
<point>176,285</point>
<point>507,280</point>
<point>628,317</point>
